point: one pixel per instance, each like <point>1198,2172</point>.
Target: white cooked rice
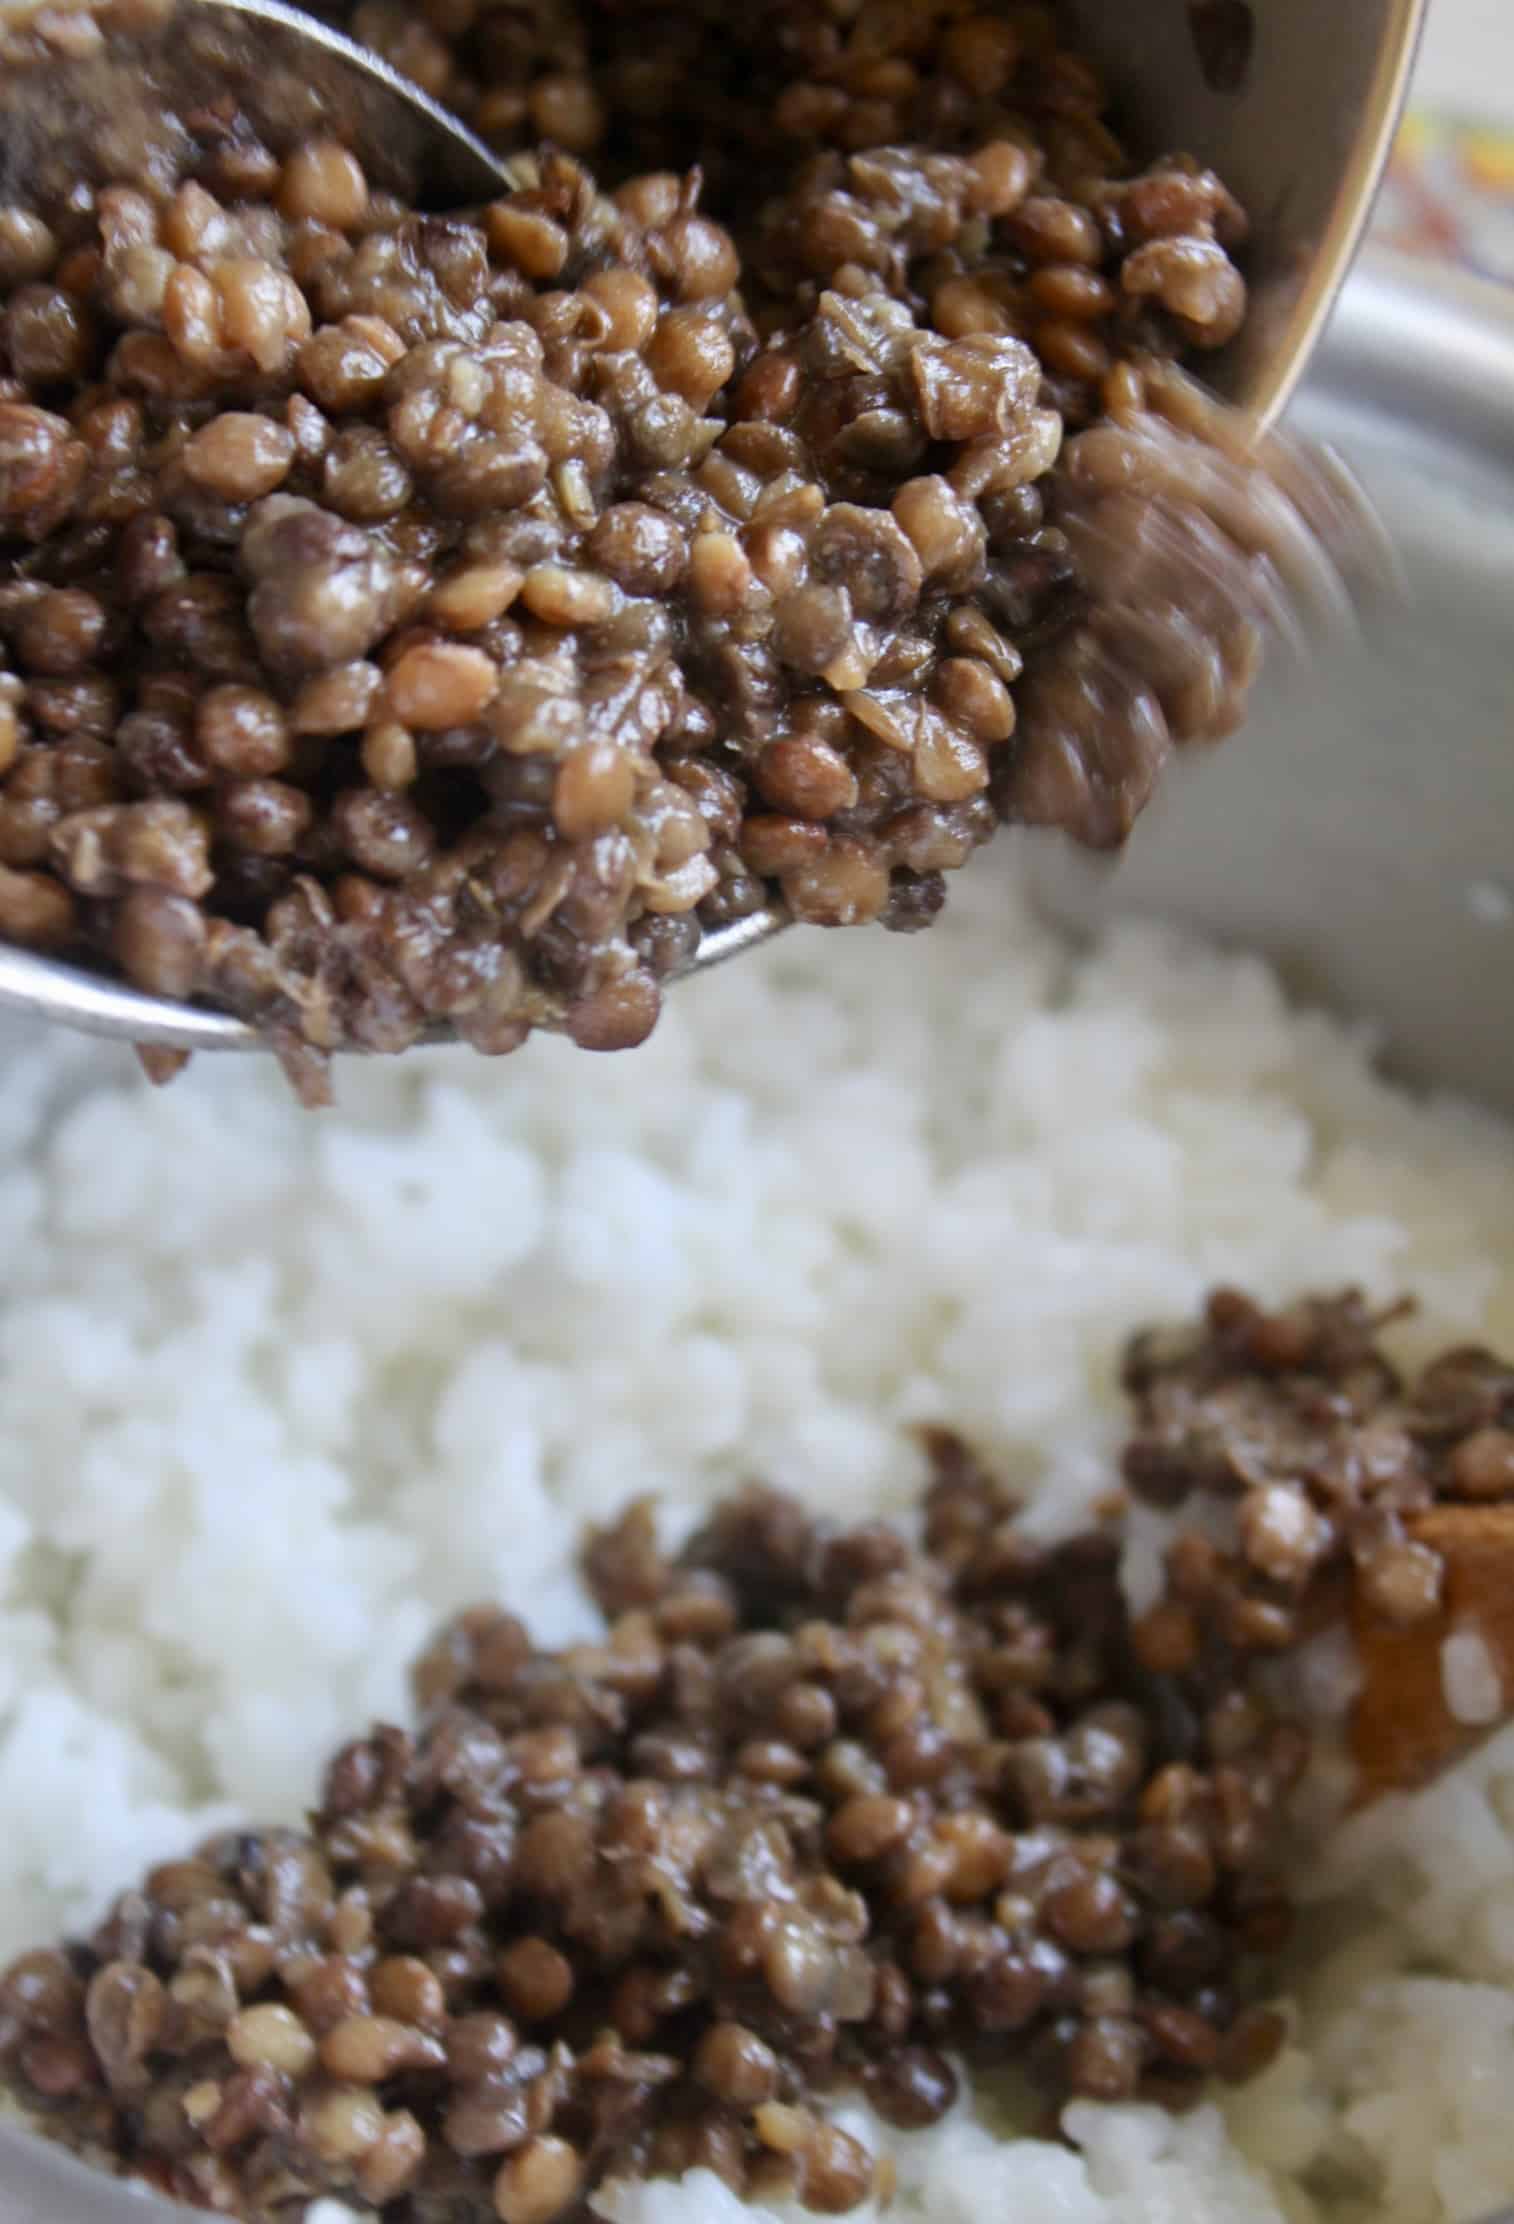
<point>278,1392</point>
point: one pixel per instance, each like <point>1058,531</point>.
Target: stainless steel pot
<point>1362,831</point>
<point>1295,105</point>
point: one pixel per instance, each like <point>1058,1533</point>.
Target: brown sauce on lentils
<point>414,621</point>
<point>822,1810</point>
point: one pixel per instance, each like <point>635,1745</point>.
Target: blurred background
<point>1451,190</point>
<point>1468,49</point>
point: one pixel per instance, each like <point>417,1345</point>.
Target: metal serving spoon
<point>1265,93</point>
<point>172,57</point>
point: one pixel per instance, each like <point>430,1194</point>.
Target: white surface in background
<point>1468,58</point>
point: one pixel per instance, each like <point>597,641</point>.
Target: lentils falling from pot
<point>412,620</point>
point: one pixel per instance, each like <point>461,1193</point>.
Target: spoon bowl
<point>70,995</point>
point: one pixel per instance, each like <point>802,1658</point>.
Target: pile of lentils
<point>822,1811</point>
<point>416,621</point>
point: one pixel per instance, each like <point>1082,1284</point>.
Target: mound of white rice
<point>276,1392</point>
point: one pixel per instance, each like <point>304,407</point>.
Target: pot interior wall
<point>1295,105</point>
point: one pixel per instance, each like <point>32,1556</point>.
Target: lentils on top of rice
<point>413,619</point>
<point>816,1811</point>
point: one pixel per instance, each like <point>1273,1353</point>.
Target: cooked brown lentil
<point>499,600</point>
<point>822,1808</point>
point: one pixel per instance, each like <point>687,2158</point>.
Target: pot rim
<point>1292,350</point>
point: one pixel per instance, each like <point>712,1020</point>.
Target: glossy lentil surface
<point>822,1809</point>
<point>413,620</point>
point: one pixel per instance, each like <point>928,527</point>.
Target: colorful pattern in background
<point>1450,193</point>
